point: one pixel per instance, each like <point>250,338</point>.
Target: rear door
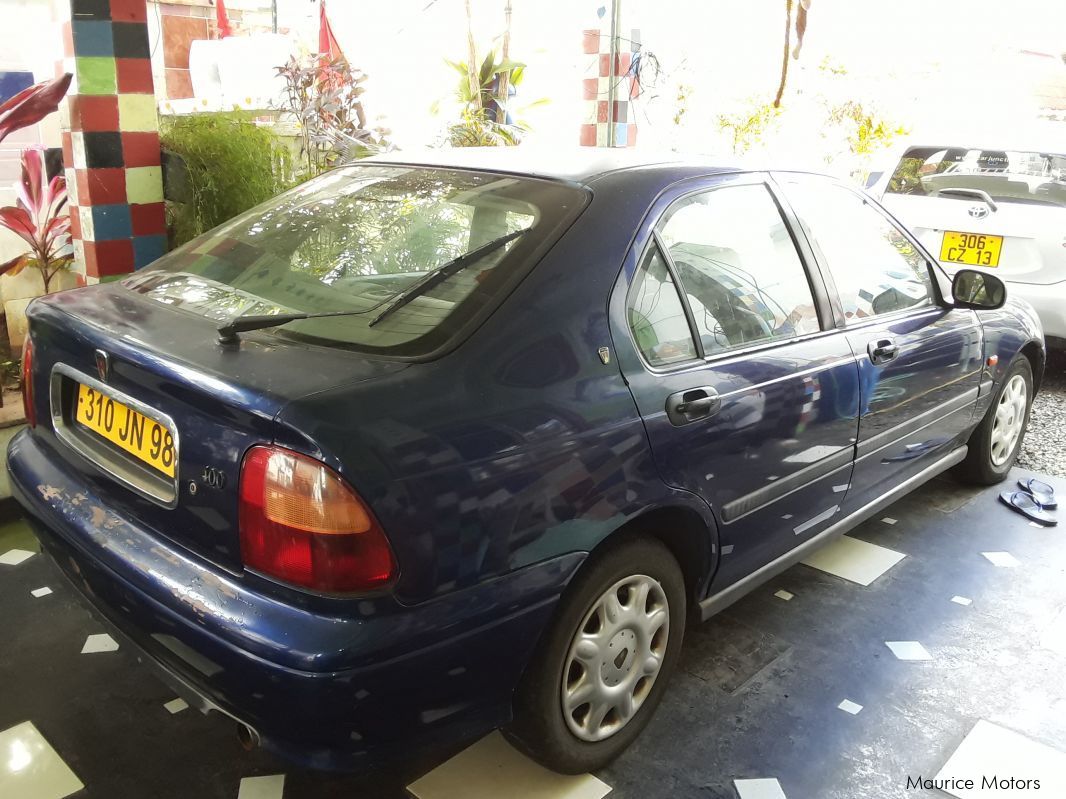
<point>919,359</point>
<point>996,210</point>
<point>748,393</point>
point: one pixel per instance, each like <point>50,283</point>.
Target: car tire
<point>621,641</point>
<point>997,440</point>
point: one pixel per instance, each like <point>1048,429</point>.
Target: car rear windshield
<point>1005,175</point>
<point>355,239</point>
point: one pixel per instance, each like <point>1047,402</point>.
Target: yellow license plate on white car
<point>144,438</point>
<point>971,249</point>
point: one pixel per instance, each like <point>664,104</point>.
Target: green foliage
<point>684,93</point>
<point>866,132</point>
<point>231,164</point>
<point>749,125</point>
<point>478,125</point>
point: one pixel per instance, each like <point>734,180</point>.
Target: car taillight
<point>301,523</point>
<point>27,383</point>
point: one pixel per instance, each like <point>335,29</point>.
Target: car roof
<point>576,164</point>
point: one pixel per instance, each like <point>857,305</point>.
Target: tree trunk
<point>505,54</point>
<point>471,61</point>
<point>784,55</point>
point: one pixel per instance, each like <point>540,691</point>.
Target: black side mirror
<point>978,290</point>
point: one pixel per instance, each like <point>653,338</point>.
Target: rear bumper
<point>442,668</point>
<point>1048,300</point>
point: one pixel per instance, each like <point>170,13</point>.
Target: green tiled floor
<point>17,535</point>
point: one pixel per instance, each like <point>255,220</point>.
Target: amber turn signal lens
<point>300,522</point>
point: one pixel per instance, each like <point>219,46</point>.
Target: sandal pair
<point>1033,501</point>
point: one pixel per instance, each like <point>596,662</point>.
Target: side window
<point>875,268</point>
<point>656,315</point>
<point>739,268</point>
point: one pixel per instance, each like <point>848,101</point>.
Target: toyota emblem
<point>978,211</point>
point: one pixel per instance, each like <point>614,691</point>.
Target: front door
<point>919,359</point>
<point>748,393</point>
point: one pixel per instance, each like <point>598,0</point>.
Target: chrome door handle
<point>692,404</point>
<point>883,350</point>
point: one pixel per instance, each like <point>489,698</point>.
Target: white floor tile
<point>1004,560</point>
<point>100,642</point>
<point>42,591</point>
<point>785,595</point>
<point>962,600</point>
<point>854,560</point>
<point>759,789</point>
<point>908,650</point>
<point>850,707</point>
<point>1053,636</point>
<point>13,557</point>
<point>175,705</point>
<point>30,768</point>
<point>271,787</point>
<point>492,768</point>
<point>991,752</point>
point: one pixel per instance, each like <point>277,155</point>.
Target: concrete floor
<point>756,697</point>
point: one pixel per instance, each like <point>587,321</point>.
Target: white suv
<point>995,209</point>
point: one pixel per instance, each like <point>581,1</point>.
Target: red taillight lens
<point>301,523</point>
<point>27,383</point>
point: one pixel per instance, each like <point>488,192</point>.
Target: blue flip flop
<point>1041,491</point>
<point>1023,503</point>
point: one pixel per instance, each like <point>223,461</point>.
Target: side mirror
<point>978,290</point>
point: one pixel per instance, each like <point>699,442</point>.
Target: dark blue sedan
<point>421,449</point>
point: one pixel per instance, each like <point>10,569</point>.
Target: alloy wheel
<point>615,657</point>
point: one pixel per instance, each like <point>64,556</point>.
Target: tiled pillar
<point>596,91</point>
<point>111,138</point>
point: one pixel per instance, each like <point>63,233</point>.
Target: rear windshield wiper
<point>227,333</point>
<point>443,272</point>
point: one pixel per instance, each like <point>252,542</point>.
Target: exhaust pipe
<point>249,738</point>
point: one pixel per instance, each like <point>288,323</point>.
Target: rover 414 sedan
<point>419,449</point>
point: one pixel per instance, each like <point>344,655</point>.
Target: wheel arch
<point>689,535</point>
<point>1034,352</point>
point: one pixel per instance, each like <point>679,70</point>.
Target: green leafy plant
<point>325,99</point>
<point>483,114</point>
<point>228,164</point>
<point>866,131</point>
<point>749,125</point>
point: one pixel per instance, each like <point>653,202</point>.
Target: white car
<point>999,210</point>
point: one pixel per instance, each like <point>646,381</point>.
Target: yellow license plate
<point>972,249</point>
<point>134,432</point>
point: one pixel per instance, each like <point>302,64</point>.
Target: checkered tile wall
<point>597,90</point>
<point>111,138</point>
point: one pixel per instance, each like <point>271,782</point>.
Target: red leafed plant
<point>40,219</point>
<point>31,105</point>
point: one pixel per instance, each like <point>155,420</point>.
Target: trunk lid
<point>166,364</point>
<point>1034,236</point>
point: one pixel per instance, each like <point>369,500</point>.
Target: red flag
<point>327,42</point>
<point>222,20</point>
